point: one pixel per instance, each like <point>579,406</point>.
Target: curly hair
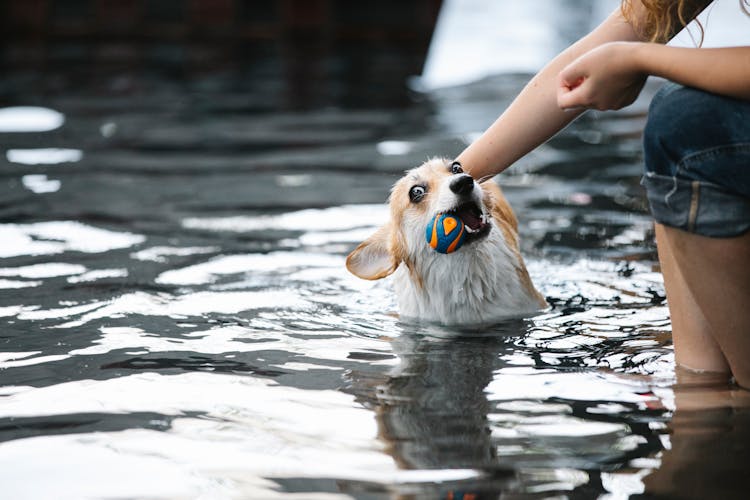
<point>660,20</point>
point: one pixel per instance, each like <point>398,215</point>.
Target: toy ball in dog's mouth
<point>448,231</point>
<point>445,233</point>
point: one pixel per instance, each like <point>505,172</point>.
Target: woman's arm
<point>534,116</point>
<point>724,71</point>
<point>606,69</point>
<point>593,80</point>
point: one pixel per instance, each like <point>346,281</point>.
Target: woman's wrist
<point>471,164</point>
<point>640,55</point>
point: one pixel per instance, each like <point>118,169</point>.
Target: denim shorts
<point>697,155</point>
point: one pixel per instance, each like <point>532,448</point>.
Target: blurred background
<point>285,54</point>
<point>188,88</point>
<point>180,182</point>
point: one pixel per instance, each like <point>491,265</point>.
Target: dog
<point>482,282</point>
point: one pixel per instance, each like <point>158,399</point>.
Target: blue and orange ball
<point>445,233</point>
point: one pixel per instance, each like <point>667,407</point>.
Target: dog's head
<point>433,188</point>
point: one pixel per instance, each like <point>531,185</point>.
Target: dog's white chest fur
<point>478,284</point>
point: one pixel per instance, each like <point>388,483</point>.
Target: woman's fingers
<point>603,78</point>
<point>571,94</point>
<point>570,79</point>
<point>571,86</point>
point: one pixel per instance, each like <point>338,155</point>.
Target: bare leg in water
<point>708,290</point>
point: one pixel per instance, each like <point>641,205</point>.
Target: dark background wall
<point>296,53</point>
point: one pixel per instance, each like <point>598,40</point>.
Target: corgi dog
<point>483,281</point>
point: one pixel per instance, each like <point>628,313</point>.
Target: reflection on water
<point>707,444</point>
<point>177,321</point>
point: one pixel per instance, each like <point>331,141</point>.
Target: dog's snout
<point>462,184</point>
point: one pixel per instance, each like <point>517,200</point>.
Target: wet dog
<point>483,281</point>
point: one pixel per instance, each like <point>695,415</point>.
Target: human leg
<point>697,153</point>
<point>716,272</point>
<point>694,343</point>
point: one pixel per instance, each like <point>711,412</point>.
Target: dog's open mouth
<point>476,222</point>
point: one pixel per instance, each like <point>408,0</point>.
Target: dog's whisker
<point>485,178</point>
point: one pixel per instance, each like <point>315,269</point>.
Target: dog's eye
<point>416,193</point>
<point>456,168</point>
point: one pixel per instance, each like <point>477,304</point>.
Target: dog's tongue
<point>470,216</point>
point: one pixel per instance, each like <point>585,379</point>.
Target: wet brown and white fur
<point>485,280</point>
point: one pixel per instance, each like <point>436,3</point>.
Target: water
<point>177,321</point>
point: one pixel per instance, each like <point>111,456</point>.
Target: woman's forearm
<point>534,116</point>
<point>724,71</point>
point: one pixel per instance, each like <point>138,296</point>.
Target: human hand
<point>607,77</point>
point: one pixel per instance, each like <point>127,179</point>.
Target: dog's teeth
<point>469,229</point>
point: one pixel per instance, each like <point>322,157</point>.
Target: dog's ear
<point>373,258</point>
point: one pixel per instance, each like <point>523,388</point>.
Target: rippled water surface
<point>177,321</point>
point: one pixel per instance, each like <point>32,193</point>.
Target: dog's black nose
<point>462,185</point>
